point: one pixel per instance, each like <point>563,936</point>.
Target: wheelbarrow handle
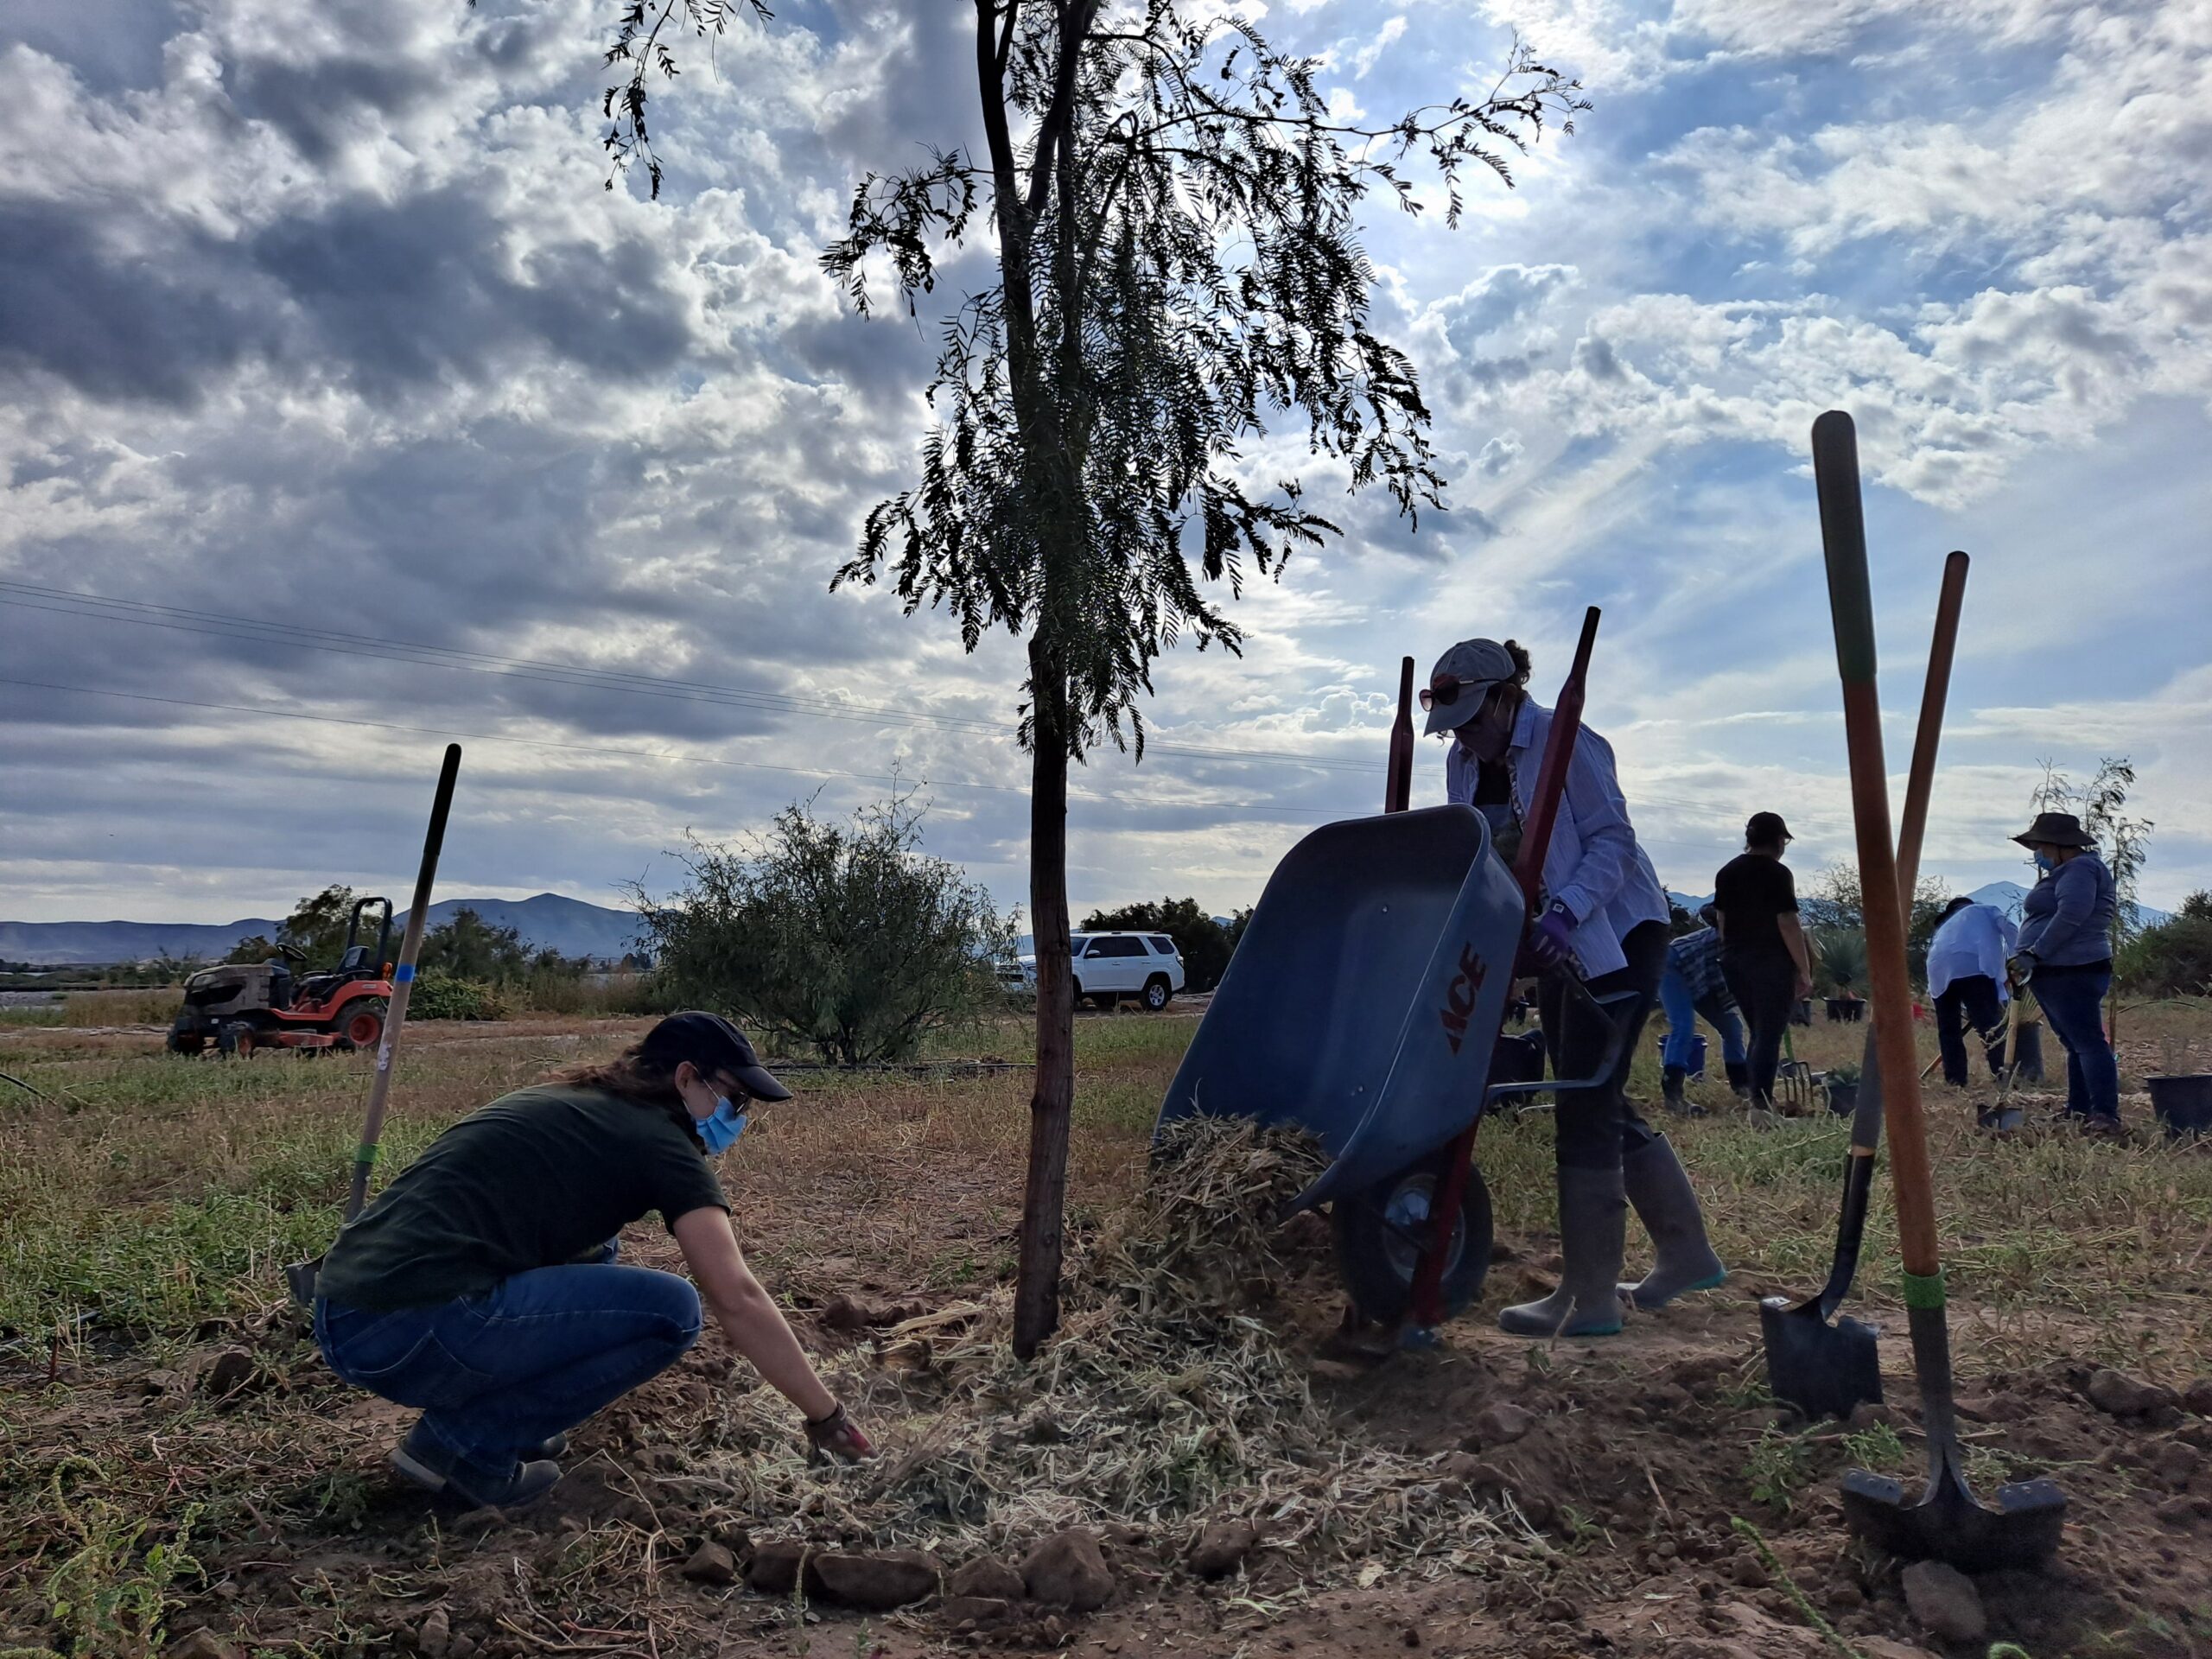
<point>1602,1076</point>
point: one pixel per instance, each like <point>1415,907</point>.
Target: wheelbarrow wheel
<point>1380,1233</point>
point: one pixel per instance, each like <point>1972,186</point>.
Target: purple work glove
<point>1548,948</point>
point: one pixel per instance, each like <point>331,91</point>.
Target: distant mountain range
<point>547,922</point>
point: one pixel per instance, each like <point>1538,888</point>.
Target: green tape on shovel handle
<point>1843,538</point>
<point>365,1155</point>
<point>1924,1294</point>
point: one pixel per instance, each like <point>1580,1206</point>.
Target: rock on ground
<point>2197,1396</point>
<point>986,1577</point>
<point>875,1583</point>
<point>202,1644</point>
<point>974,1609</point>
<point>229,1371</point>
<point>773,1570</point>
<point>2122,1395</point>
<point>711,1564</point>
<point>1501,1424</point>
<point>1220,1549</point>
<point>1066,1570</point>
<point>1944,1602</point>
<point>434,1635</point>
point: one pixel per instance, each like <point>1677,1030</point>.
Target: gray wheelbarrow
<point>1363,1003</point>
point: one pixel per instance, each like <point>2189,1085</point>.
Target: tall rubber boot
<point>1676,1102</point>
<point>1656,1185</point>
<point>1594,1231</point>
<point>1739,1078</point>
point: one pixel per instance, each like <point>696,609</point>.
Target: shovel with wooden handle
<point>1826,1370</point>
<point>1947,1523</point>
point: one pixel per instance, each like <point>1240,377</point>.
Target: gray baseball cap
<point>1462,677</point>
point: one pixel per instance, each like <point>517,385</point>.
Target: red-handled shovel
<point>1948,1522</point>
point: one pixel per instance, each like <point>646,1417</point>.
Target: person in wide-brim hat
<point>481,1288</point>
<point>2065,949</point>
<point>2055,829</point>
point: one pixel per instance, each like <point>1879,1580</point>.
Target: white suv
<point>1109,967</point>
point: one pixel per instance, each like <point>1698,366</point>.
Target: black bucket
<point>1843,1097</point>
<point>2183,1105</point>
<point>2030,1056</point>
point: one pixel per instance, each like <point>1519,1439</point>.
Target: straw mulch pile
<point>1168,1396</point>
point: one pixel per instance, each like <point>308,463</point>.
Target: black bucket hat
<point>713,1044</point>
<point>2055,829</point>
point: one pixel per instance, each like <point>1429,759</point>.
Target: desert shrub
<point>2173,959</point>
<point>442,996</point>
<point>842,938</point>
<point>1839,960</point>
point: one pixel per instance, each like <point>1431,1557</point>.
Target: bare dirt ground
<point>178,1471</point>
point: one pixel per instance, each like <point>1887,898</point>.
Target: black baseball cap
<point>713,1044</point>
<point>1766,829</point>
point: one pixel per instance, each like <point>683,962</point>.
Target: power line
<point>634,754</point>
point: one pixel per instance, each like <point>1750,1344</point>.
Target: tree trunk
<point>1037,1284</point>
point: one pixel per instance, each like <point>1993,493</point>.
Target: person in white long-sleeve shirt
<point>1966,979</point>
<point>1606,916</point>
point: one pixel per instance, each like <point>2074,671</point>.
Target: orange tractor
<point>241,1008</point>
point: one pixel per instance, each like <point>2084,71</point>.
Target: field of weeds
<point>178,1471</point>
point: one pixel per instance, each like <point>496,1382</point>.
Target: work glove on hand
<point>836,1436</point>
<point>1548,948</point>
<point>2020,969</point>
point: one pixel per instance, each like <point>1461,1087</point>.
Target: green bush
<point>843,938</point>
<point>2173,959</point>
<point>440,996</point>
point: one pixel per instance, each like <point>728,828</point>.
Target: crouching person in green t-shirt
<point>481,1288</point>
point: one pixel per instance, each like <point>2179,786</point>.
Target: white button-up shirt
<point>1975,941</point>
<point>1594,865</point>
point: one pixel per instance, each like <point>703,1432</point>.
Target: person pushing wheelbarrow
<point>1606,916</point>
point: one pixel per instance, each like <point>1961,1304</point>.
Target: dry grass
<point>154,1195</point>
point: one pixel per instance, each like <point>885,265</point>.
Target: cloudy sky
<point>358,413</point>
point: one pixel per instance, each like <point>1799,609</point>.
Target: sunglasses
<point>1443,691</point>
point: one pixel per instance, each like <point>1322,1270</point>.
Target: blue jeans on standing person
<point>496,1374</point>
<point>1682,1011</point>
<point>2072,1001</point>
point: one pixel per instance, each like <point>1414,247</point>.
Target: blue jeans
<point>1682,1010</point>
<point>2072,1001</point>
<point>536,1355</point>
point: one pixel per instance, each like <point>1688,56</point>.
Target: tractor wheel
<point>186,1042</point>
<point>1380,1233</point>
<point>361,1022</point>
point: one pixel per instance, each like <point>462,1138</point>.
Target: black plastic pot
<point>1843,1097</point>
<point>2183,1105</point>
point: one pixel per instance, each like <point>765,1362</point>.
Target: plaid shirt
<point>1696,957</point>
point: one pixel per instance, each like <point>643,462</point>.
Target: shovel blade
<point>2002,1120</point>
<point>1823,1370</point>
<point>2019,1529</point>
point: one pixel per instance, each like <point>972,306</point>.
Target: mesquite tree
<point>1173,210</point>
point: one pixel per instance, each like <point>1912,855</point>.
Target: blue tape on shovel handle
<point>404,974</point>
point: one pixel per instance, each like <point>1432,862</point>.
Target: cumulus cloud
<point>321,319</point>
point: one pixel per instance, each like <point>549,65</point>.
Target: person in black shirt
<point>482,1285</point>
<point>1763,954</point>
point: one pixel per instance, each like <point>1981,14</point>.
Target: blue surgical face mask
<point>2045,862</point>
<point>720,1132</point>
